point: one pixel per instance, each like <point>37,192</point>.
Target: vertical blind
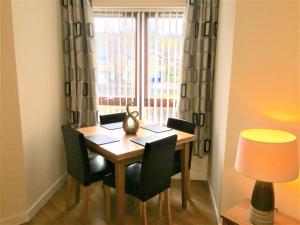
<point>139,60</point>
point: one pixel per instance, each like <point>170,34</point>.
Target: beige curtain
<point>79,62</point>
<point>198,69</point>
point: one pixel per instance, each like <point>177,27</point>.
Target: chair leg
<point>85,204</point>
<point>69,191</point>
<point>189,187</point>
<point>160,202</point>
<point>107,203</point>
<point>77,191</point>
<point>143,213</point>
<point>168,206</point>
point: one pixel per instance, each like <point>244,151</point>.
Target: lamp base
<point>262,204</point>
<point>258,217</point>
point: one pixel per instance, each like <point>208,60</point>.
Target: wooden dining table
<point>124,152</point>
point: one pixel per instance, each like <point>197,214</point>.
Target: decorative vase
<point>130,123</point>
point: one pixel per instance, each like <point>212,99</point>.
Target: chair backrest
<point>157,166</point>
<point>76,154</point>
<point>182,125</point>
<point>112,118</point>
<point>185,126</point>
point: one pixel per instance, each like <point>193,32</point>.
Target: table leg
<point>120,190</point>
<point>185,174</point>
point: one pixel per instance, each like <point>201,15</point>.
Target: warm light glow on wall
<point>284,112</point>
<point>285,116</point>
<point>292,185</point>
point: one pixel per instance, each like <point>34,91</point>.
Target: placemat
<point>101,139</point>
<point>113,126</point>
<point>147,139</point>
<point>156,128</point>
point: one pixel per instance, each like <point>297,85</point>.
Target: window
<point>139,59</point>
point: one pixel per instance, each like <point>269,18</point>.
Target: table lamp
<point>267,156</point>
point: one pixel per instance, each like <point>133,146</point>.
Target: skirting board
<point>15,219</point>
<point>215,205</point>
<point>35,207</point>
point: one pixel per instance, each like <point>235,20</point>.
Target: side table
<point>238,215</point>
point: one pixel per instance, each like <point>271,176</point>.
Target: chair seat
<point>99,167</point>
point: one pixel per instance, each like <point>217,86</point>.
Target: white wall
<point>32,107</point>
<point>12,169</point>
<point>221,97</point>
<point>264,90</point>
<point>37,32</point>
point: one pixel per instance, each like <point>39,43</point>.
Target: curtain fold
<point>196,92</point>
<point>79,62</point>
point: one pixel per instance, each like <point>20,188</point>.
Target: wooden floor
<point>199,210</point>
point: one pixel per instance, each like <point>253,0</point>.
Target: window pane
<point>116,57</point>
<point>164,36</point>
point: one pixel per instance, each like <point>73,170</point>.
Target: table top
<point>239,215</point>
<point>126,148</point>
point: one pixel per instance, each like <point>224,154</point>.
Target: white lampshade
<point>267,155</point>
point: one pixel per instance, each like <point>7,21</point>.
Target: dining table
<point>124,152</point>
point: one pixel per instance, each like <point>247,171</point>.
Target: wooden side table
<point>238,215</point>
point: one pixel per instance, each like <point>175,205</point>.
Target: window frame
<point>143,25</point>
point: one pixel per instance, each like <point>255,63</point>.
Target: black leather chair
<point>82,168</point>
<point>112,118</point>
<point>188,127</point>
<point>150,177</point>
